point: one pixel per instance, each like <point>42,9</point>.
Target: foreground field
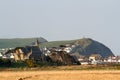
<point>61,75</point>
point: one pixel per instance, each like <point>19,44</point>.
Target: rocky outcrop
<point>87,47</point>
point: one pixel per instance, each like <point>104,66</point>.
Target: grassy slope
<point>7,43</point>
<point>56,43</point>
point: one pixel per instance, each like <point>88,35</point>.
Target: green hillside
<point>56,43</point>
<point>19,42</point>
<point>7,43</point>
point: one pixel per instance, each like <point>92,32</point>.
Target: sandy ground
<point>61,75</point>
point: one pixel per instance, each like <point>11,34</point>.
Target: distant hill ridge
<point>15,42</point>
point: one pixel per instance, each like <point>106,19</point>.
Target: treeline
<point>7,63</point>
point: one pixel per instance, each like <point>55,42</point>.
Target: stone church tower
<point>37,43</point>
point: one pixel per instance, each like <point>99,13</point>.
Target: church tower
<point>37,43</point>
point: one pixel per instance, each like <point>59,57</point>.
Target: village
<point>57,54</point>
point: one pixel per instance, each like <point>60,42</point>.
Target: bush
<point>1,61</point>
<point>31,63</point>
<point>5,63</point>
<point>19,64</point>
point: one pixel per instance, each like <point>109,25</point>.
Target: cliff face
<point>87,47</point>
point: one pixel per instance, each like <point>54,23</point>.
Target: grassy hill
<point>87,47</point>
<point>19,42</point>
<point>7,43</point>
<point>56,43</point>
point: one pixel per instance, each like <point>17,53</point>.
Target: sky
<point>62,20</point>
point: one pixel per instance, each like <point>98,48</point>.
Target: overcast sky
<point>62,20</point>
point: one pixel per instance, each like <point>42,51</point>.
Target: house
<point>36,53</point>
<point>67,48</point>
<point>1,55</point>
<point>10,55</point>
<point>95,59</point>
<point>24,53</point>
<point>112,59</point>
<point>83,60</point>
<point>118,59</point>
<point>4,57</point>
<point>20,53</point>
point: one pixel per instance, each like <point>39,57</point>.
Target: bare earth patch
<point>61,75</point>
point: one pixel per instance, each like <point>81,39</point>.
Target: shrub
<point>5,63</point>
<point>31,63</point>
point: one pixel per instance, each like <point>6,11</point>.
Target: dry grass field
<point>61,75</point>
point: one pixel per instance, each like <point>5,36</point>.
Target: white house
<point>11,56</point>
<point>112,59</point>
<point>95,59</point>
<point>67,49</point>
<point>1,55</point>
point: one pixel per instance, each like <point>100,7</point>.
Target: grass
<point>18,42</point>
<point>61,75</point>
<point>65,68</point>
<point>74,72</point>
<point>55,43</point>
